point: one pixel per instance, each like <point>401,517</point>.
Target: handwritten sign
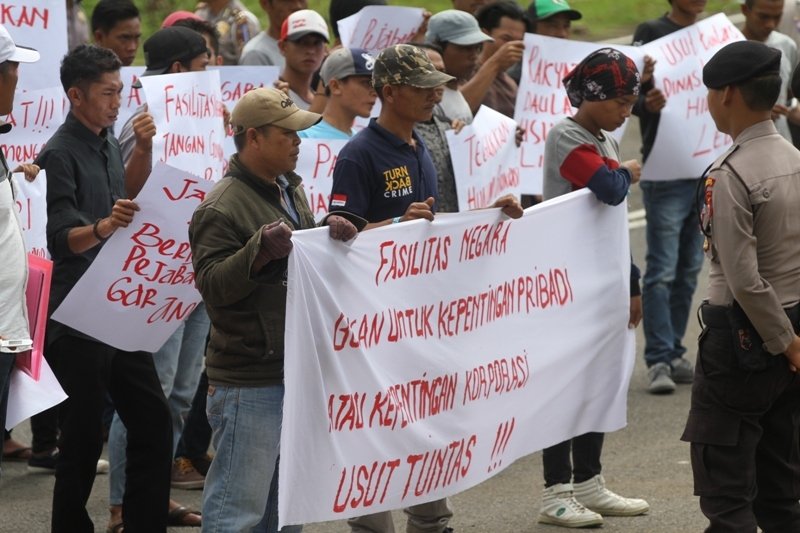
<point>187,109</point>
<point>377,27</point>
<point>315,166</point>
<point>141,285</point>
<point>39,24</point>
<point>235,81</point>
<point>442,352</point>
<point>542,100</point>
<point>36,116</point>
<point>31,201</point>
<point>132,97</point>
<point>485,159</point>
<point>687,140</point>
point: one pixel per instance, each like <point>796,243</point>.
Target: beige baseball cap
<point>268,106</point>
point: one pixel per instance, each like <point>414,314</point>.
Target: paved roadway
<point>645,460</point>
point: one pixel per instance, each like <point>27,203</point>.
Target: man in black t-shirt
<point>674,242</point>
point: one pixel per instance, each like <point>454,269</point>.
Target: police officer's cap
<point>739,62</point>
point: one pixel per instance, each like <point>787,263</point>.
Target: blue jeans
<point>240,493</point>
<point>674,258</point>
<point>178,365</point>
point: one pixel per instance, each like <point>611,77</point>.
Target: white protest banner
<point>31,200</point>
<point>687,140</point>
<point>132,97</point>
<point>237,80</point>
<point>315,166</point>
<point>36,116</point>
<point>28,396</point>
<point>141,285</point>
<point>377,27</point>
<point>39,24</point>
<point>423,358</point>
<point>485,159</point>
<point>187,109</point>
<point>542,100</point>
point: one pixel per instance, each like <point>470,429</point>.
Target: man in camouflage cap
<point>386,175</point>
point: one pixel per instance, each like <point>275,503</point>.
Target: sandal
<point>181,516</point>
<point>20,452</point>
<point>116,528</point>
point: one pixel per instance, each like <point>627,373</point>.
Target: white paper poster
<point>377,27</point>
<point>36,116</point>
<point>687,140</point>
<point>27,397</point>
<point>39,24</point>
<point>31,200</point>
<point>187,109</point>
<point>235,81</point>
<point>423,358</point>
<point>132,97</point>
<point>315,166</point>
<point>542,100</point>
<point>485,159</point>
<point>141,285</point>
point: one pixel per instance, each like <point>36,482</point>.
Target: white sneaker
<point>560,508</point>
<point>102,466</point>
<point>594,495</point>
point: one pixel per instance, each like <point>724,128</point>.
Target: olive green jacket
<point>247,311</point>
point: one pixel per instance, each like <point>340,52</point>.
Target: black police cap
<point>740,61</point>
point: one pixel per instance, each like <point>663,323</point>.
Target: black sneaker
<point>43,464</point>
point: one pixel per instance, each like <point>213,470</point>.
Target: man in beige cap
<point>240,237</point>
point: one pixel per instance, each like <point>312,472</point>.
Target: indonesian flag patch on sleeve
<point>338,200</point>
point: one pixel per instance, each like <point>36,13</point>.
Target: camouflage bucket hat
<point>405,64</point>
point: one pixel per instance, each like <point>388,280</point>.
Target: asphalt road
<point>645,460</point>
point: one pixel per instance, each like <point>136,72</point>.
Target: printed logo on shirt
<point>398,182</point>
<point>338,200</point>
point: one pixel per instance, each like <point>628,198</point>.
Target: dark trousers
<point>44,430</point>
<point>6,366</point>
<point>86,370</point>
<point>585,463</point>
<point>196,436</point>
<point>743,429</point>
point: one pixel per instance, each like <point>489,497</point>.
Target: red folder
<point>37,294</point>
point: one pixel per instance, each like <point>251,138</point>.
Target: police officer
<point>743,423</point>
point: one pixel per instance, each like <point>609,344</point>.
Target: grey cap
<point>344,62</point>
<point>455,26</point>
